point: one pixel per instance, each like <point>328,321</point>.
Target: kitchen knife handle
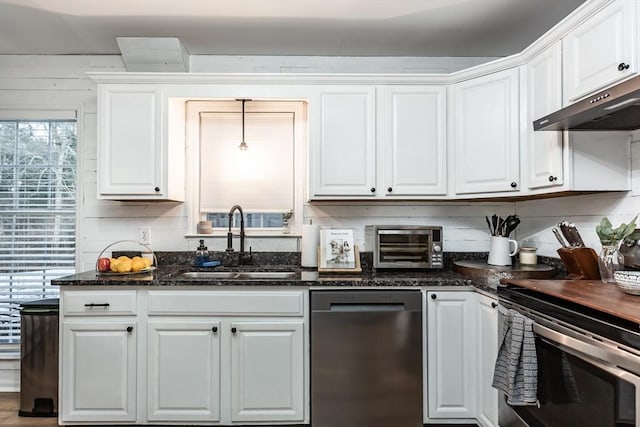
<point>559,237</point>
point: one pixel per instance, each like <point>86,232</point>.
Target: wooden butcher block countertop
<point>607,298</point>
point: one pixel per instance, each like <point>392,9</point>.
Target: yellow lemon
<point>114,264</point>
<point>147,262</point>
<point>137,264</point>
<point>124,266</point>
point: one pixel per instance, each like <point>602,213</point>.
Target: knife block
<point>581,263</point>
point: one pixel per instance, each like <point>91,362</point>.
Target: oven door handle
<point>610,355</point>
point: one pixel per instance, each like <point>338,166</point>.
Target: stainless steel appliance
<point>588,365</point>
<point>405,246</point>
<point>616,108</point>
<point>366,359</point>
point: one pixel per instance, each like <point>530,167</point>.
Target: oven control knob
<point>437,248</point>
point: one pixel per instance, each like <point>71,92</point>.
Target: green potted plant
<point>610,239</point>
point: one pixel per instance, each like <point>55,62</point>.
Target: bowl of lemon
<point>123,264</point>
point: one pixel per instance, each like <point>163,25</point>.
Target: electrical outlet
<point>145,235</point>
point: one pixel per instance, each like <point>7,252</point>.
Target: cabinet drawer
<point>248,303</point>
<point>99,303</point>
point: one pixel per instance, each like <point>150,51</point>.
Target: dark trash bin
<point>39,358</point>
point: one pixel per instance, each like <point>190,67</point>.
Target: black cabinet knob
<point>129,329</point>
<point>157,189</point>
<point>494,305</point>
<point>234,330</point>
<point>514,184</point>
<point>373,189</point>
<point>434,296</point>
<point>552,178</point>
<point>214,329</point>
<point>622,66</point>
<point>389,189</point>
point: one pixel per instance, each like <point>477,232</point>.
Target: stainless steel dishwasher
<point>366,358</point>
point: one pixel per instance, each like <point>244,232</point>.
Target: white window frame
<point>193,109</point>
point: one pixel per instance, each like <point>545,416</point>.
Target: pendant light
<point>243,145</point>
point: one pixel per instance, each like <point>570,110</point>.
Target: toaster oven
<point>405,246</point>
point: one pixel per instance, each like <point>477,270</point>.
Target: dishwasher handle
<point>355,307</point>
<point>365,300</point>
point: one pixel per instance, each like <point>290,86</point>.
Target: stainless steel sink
<point>239,275</point>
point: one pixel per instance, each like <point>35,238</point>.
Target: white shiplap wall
<point>60,82</point>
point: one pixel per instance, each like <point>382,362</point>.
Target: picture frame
<point>337,252</point>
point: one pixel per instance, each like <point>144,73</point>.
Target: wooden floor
<point>9,405</point>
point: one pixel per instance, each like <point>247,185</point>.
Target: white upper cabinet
<point>135,161</point>
<point>543,77</point>
<point>413,129</point>
<point>343,142</point>
<point>601,51</point>
<point>485,133</point>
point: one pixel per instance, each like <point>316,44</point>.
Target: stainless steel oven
<point>405,246</point>
<point>588,365</point>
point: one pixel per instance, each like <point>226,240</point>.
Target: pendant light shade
<point>243,145</point>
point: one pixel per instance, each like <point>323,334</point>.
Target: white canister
<point>528,256</point>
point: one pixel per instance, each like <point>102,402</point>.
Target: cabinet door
<point>544,96</point>
<point>267,374</point>
<point>485,132</point>
<point>130,149</point>
<point>184,370</point>
<point>601,51</point>
<point>487,353</point>
<point>99,371</point>
<point>343,144</point>
<point>451,355</point>
<point>414,140</point>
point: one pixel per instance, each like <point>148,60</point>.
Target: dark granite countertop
<point>171,276</point>
<point>172,264</point>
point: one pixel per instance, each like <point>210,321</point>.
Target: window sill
<point>249,234</point>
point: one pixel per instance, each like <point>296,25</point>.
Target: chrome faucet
<point>243,257</point>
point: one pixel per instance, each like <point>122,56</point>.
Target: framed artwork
<point>337,253</point>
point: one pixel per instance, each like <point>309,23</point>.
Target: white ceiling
<point>282,27</point>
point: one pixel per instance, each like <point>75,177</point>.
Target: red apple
<point>104,264</point>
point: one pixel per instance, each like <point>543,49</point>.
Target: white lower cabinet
<point>206,357</point>
<point>487,333</point>
<point>183,382</point>
<point>98,370</point>
<point>267,381</point>
<point>451,355</point>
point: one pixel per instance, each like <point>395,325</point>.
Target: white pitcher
<point>500,252</point>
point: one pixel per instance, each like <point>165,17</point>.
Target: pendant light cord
<point>243,101</point>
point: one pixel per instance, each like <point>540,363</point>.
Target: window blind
<point>37,214</point>
<point>259,179</point>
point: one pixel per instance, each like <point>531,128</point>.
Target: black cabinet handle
<point>129,329</point>
<point>104,304</point>
<point>373,189</point>
<point>157,189</point>
<point>622,66</point>
<point>234,330</point>
<point>389,189</point>
<point>514,184</point>
<point>434,296</point>
<point>494,305</point>
<point>214,329</point>
<point>552,178</point>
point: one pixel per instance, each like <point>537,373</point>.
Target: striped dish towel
<point>516,370</point>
